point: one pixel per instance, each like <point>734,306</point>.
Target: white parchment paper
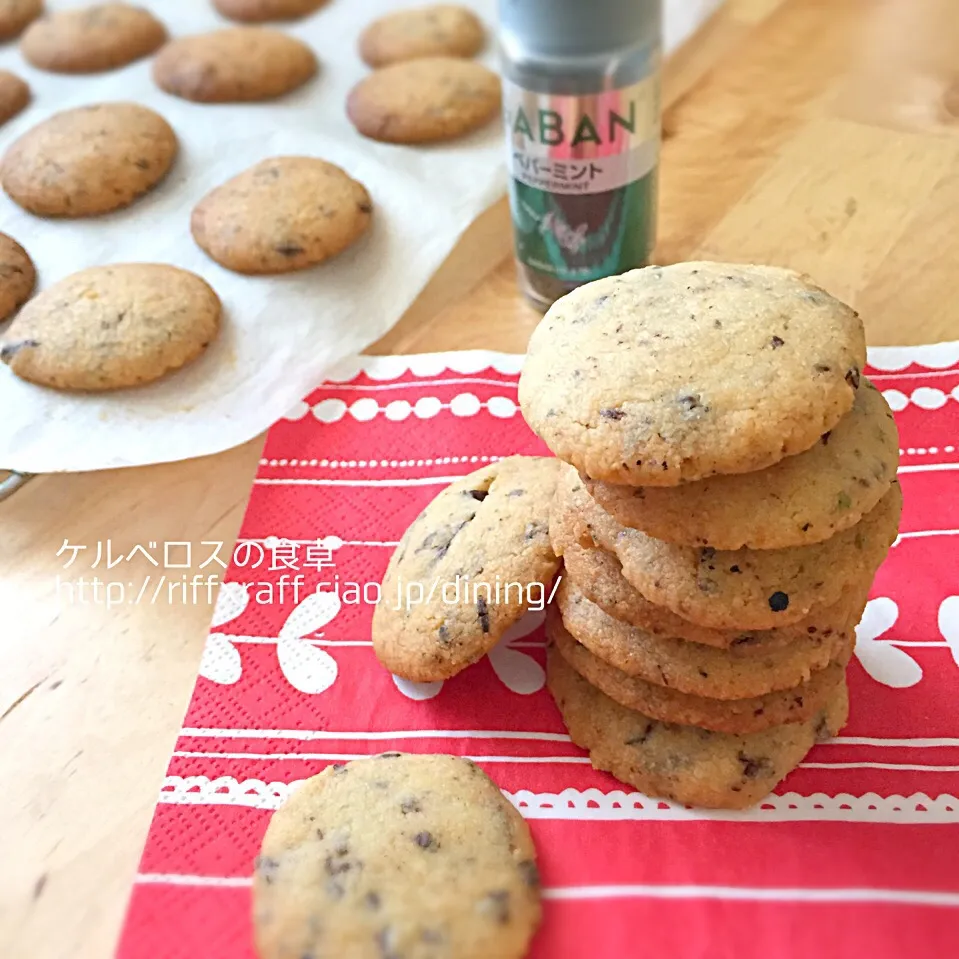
<point>281,334</point>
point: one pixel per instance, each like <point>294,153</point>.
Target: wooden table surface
<point>817,134</point>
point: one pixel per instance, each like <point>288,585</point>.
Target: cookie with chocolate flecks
<point>745,715</point>
<point>14,95</point>
<point>109,327</point>
<point>687,764</point>
<point>745,670</point>
<point>744,589</point>
<point>259,11</point>
<point>235,65</point>
<point>396,855</point>
<point>18,276</point>
<point>284,214</point>
<point>89,160</point>
<point>471,563</point>
<point>15,15</point>
<point>598,575</point>
<point>802,499</point>
<point>424,100</point>
<point>440,30</point>
<point>91,39</point>
<point>670,374</point>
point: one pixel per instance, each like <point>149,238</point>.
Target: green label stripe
<point>577,239</point>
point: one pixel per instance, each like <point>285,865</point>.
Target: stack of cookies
<point>730,494</point>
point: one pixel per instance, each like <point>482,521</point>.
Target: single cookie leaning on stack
<point>468,567</point>
<point>730,495</point>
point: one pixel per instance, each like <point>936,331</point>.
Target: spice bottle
<point>582,114</point>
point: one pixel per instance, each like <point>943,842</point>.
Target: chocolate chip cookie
<point>598,575</point>
<point>803,499</point>
<point>473,561</point>
<point>15,15</point>
<point>424,100</point>
<point>112,326</point>
<point>89,160</point>
<point>91,39</point>
<point>441,30</point>
<point>14,95</point>
<point>670,374</point>
<point>284,214</point>
<point>689,765</point>
<point>236,65</point>
<point>18,276</point>
<point>259,11</point>
<point>396,855</point>
<point>672,706</point>
<point>738,589</point>
<point>747,669</point>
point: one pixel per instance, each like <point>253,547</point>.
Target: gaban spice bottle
<point>582,113</point>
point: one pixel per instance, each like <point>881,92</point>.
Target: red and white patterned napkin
<point>855,853</point>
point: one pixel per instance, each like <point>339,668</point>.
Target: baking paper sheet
<point>281,334</point>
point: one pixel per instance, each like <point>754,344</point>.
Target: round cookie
<point>108,327</point>
<point>803,499</point>
<point>235,65</point>
<point>18,276</point>
<point>740,672</point>
<point>598,575</point>
<point>259,11</point>
<point>670,374</point>
<point>442,30</point>
<point>671,706</point>
<point>15,15</point>
<point>89,160</point>
<point>14,95</point>
<point>424,100</point>
<point>737,589</point>
<point>91,39</point>
<point>284,214</point>
<point>396,855</point>
<point>472,552</point>
<point>684,763</point>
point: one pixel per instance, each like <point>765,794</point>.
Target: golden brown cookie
<point>684,763</point>
<point>284,214</point>
<point>442,30</point>
<point>260,11</point>
<point>598,575</point>
<point>89,160</point>
<point>112,326</point>
<point>802,499</point>
<point>92,39</point>
<point>14,95</point>
<point>392,856</point>
<point>419,101</point>
<point>736,589</point>
<point>16,14</point>
<point>671,374</point>
<point>468,567</point>
<point>794,705</point>
<point>740,672</point>
<point>18,276</point>
<point>236,65</point>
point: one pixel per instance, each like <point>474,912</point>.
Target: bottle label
<point>583,178</point>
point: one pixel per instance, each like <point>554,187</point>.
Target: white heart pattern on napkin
<point>221,659</point>
<point>517,671</point>
<point>885,663</point>
<point>949,625</point>
<point>304,666</point>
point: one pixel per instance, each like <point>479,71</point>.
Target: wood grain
<point>820,134</point>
